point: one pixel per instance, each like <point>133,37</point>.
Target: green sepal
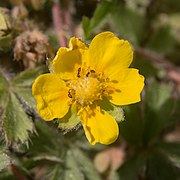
<point>70,120</point>
<point>115,111</point>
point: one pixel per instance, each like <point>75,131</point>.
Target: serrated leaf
<point>127,22</point>
<point>159,167</point>
<point>26,78</point>
<point>15,121</point>
<point>22,85</point>
<point>132,128</point>
<point>170,148</point>
<point>4,159</point>
<point>85,165</point>
<point>145,67</point>
<point>100,14</point>
<point>46,138</point>
<point>25,95</point>
<point>132,167</point>
<point>98,19</point>
<point>3,90</point>
<point>86,26</point>
<point>56,172</point>
<point>72,171</point>
<point>157,95</point>
<point>158,110</point>
<point>162,40</point>
<point>67,170</point>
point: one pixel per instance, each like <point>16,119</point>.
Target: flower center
<point>88,87</point>
<point>88,90</point>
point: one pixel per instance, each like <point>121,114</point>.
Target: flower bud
<point>5,29</point>
<point>31,47</point>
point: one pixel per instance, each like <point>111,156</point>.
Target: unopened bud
<point>5,29</point>
<point>31,47</point>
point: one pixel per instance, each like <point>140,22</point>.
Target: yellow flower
<point>84,78</point>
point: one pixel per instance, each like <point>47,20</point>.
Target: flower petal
<point>128,86</point>
<point>75,43</point>
<point>51,95</point>
<point>67,59</point>
<point>99,126</point>
<point>109,54</point>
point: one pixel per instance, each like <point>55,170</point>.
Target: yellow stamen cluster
<point>87,87</point>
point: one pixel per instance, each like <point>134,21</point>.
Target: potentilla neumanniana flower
<point>84,78</point>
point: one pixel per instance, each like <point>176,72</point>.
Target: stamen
<point>92,71</point>
<point>87,74</point>
<point>79,71</point>
<point>89,86</point>
<point>71,92</point>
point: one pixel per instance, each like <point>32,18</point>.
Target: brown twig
<point>58,23</point>
<point>172,70</point>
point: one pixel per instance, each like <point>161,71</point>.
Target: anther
<point>92,71</point>
<point>70,93</point>
<point>79,71</point>
<point>87,74</point>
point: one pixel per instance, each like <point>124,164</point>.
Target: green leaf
<point>170,148</point>
<point>127,22</point>
<point>159,167</point>
<point>7,175</point>
<point>158,110</point>
<point>146,68</point>
<point>175,27</point>
<point>4,159</point>
<point>171,6</point>
<point>67,170</point>
<point>3,90</point>
<point>22,85</point>
<point>46,138</point>
<point>132,128</point>
<point>86,26</point>
<point>132,167</point>
<point>98,19</point>
<point>56,172</point>
<point>114,175</point>
<point>25,96</point>
<point>162,40</point>
<point>75,165</point>
<point>26,78</point>
<point>100,14</point>
<point>15,121</point>
<point>85,165</point>
<point>72,171</point>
